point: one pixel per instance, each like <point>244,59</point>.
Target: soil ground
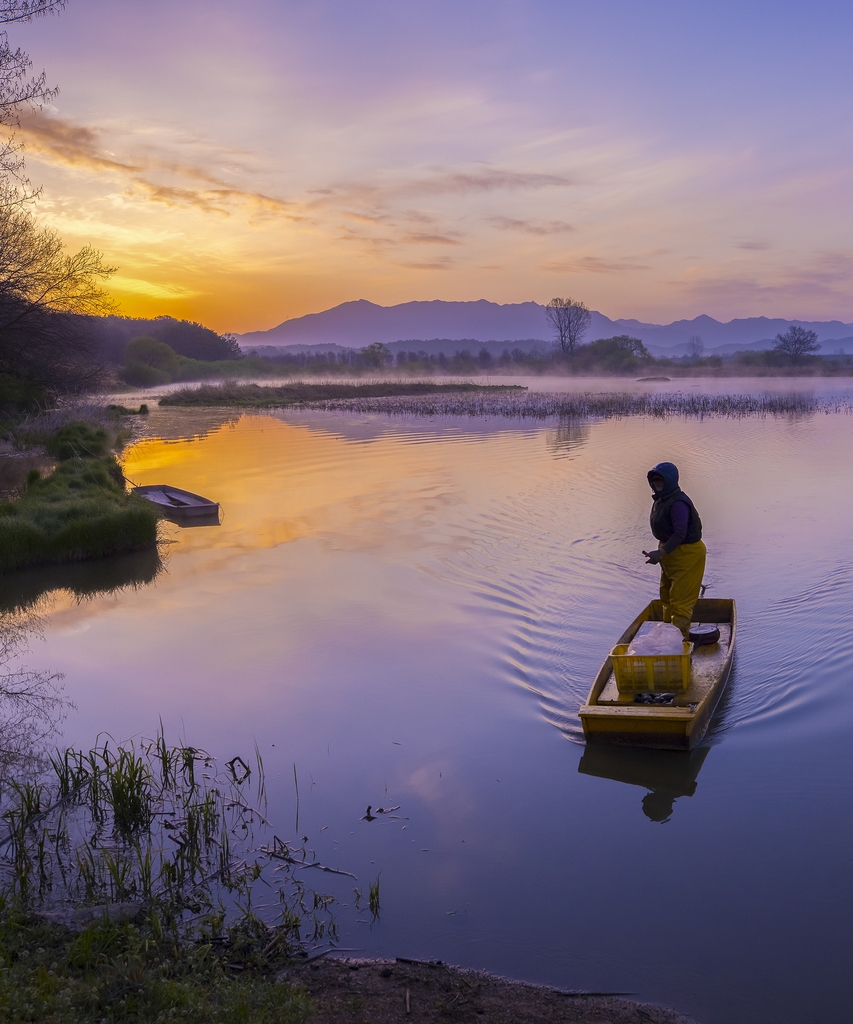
<point>391,991</point>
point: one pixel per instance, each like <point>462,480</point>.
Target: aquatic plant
<point>572,406</point>
<point>163,835</point>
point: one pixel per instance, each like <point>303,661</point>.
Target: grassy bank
<point>260,396</point>
<point>80,511</point>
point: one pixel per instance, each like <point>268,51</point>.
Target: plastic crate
<point>651,673</point>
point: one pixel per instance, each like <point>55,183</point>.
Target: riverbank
<point>352,991</point>
<point>79,510</point>
<point>113,971</point>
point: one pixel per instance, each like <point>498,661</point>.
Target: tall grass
<point>38,429</point>
<point>163,833</point>
<point>541,406</point>
<point>80,511</point>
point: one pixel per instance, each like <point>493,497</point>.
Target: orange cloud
<point>61,141</point>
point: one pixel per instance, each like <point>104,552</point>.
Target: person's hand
<point>653,557</point>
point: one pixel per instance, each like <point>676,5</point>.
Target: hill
<point>359,323</point>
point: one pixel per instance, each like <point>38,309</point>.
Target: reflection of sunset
<point>277,482</point>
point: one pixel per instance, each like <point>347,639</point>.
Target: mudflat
<point>388,991</point>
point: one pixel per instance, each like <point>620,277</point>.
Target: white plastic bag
<point>661,638</point>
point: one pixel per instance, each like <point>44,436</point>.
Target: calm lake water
<point>411,612</point>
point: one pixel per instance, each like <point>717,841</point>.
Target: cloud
<point>532,227</point>
<point>72,145</point>
<point>425,239</point>
<point>753,246</point>
<point>61,141</point>
<point>440,183</point>
<point>827,276</point>
<point>136,286</point>
<point>211,200</point>
<point>592,265</point>
<point>438,263</point>
<point>489,179</point>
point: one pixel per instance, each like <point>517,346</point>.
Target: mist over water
<point>411,612</point>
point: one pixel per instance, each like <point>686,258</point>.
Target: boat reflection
<point>24,589</point>
<point>185,522</point>
<point>666,774</point>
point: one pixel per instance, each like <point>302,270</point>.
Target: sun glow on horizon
<point>400,154</point>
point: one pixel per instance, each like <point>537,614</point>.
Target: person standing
<point>676,526</point>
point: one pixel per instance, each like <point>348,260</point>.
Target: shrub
<point>20,395</point>
<point>78,439</point>
<point>139,375</point>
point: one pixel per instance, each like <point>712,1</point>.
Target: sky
<point>242,163</point>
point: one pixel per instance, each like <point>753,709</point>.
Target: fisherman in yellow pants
<point>681,552</point>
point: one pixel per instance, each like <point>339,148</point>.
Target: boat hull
<point>679,727</point>
<point>174,501</point>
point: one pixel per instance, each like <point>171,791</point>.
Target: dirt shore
<point>347,991</point>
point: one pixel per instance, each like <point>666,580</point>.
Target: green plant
<point>80,511</point>
<point>79,439</point>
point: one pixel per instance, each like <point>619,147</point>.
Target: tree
<point>796,342</point>
<point>376,354</point>
<point>620,353</point>
<point>569,321</point>
<point>17,90</point>
<point>43,291</point>
<point>695,348</point>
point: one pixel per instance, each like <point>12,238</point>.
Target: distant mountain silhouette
<point>360,323</point>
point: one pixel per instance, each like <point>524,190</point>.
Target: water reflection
<point>666,774</point>
<point>24,589</point>
<point>32,704</point>
<point>394,607</point>
<point>569,435</point>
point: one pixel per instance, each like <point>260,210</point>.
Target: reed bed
<point>230,393</point>
<point>127,891</point>
<point>162,835</point>
<point>570,406</point>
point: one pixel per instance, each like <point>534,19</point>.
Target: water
<point>412,611</point>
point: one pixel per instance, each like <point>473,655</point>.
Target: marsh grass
<point>39,429</point>
<point>571,406</point>
<point>80,511</point>
<point>163,836</point>
<point>266,396</point>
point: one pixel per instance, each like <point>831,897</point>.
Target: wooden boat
<point>611,717</point>
<point>179,503</point>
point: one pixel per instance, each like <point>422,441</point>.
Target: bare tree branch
<point>569,320</point>
<point>796,342</point>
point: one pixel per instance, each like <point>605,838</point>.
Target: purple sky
<point>244,162</point>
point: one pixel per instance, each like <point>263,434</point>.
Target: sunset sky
<point>244,162</point>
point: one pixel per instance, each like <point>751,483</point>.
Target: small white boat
<point>175,501</point>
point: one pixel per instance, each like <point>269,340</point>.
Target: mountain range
<point>359,323</point>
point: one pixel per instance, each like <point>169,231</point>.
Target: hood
<point>669,472</point>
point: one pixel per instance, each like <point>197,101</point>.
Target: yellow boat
<point>609,716</point>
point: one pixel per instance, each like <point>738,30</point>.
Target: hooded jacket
<point>660,519</point>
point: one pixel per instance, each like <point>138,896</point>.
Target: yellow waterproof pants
<point>681,574</point>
